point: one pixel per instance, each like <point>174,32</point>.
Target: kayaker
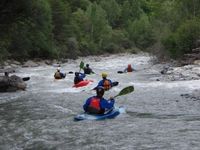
<point>97,104</point>
<point>129,68</point>
<point>87,69</point>
<point>59,75</point>
<point>78,77</point>
<point>106,83</point>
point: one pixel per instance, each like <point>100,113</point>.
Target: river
<point>156,118</point>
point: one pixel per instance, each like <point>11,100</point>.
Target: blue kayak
<point>109,115</point>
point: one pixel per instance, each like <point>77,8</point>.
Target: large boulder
<point>11,84</point>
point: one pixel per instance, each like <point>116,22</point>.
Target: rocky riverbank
<point>171,72</point>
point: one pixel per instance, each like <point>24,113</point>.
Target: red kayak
<point>82,83</point>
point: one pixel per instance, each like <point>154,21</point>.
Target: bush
<point>184,39</point>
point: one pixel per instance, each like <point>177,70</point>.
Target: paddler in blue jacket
<point>78,77</point>
<point>97,104</point>
<point>106,83</point>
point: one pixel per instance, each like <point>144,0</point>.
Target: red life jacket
<point>95,103</point>
<point>106,84</point>
<point>129,69</point>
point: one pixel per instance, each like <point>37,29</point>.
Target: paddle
<point>81,66</point>
<point>125,91</point>
<point>26,78</point>
<point>70,72</point>
<point>115,83</point>
<point>120,71</point>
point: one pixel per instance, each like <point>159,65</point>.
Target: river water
<point>156,118</point>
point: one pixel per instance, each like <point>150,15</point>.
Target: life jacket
<point>129,69</point>
<point>95,103</point>
<point>87,70</point>
<point>94,106</point>
<point>106,84</point>
<point>57,75</point>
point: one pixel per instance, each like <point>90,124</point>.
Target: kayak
<point>82,83</point>
<point>109,115</point>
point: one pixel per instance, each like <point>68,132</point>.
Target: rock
<point>16,62</point>
<point>196,62</point>
<point>11,84</point>
<point>48,62</point>
<point>166,69</point>
<point>30,64</point>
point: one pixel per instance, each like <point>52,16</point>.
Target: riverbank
<point>173,72</point>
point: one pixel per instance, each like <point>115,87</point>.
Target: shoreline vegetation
<point>49,29</point>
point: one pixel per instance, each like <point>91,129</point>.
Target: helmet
<point>87,65</point>
<point>99,91</point>
<point>58,69</point>
<point>104,75</point>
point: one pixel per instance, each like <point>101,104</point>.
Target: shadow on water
<point>184,117</point>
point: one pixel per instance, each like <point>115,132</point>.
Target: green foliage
<point>116,42</point>
<point>131,10</point>
<point>3,48</point>
<point>170,45</point>
<point>113,12</point>
<point>99,25</point>
<point>187,35</point>
<point>69,28</point>
<point>184,39</point>
<point>188,9</point>
<point>140,32</point>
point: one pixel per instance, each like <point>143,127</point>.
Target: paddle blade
<point>26,78</point>
<point>125,91</point>
<point>70,72</point>
<point>115,83</point>
<point>120,72</point>
<point>81,65</point>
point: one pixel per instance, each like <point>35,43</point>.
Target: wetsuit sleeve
<point>107,104</point>
<point>100,83</point>
<point>82,75</point>
<point>87,103</point>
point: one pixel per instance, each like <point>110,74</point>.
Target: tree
<point>113,12</point>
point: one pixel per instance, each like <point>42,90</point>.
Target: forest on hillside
<point>69,28</point>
